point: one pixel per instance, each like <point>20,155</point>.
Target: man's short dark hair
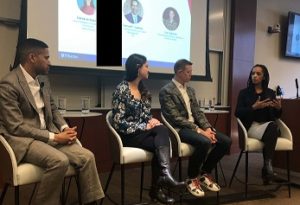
<point>180,65</point>
<point>30,45</point>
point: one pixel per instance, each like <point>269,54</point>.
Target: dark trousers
<point>206,155</point>
<point>150,140</point>
<point>269,138</point>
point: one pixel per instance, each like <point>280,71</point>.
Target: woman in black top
<point>258,108</point>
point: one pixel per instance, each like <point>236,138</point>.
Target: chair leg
<point>66,193</point>
<point>122,184</point>
<point>62,195</point>
<point>3,193</point>
<point>16,195</point>
<point>175,167</point>
<point>180,176</point>
<point>78,188</point>
<point>179,168</point>
<point>217,180</point>
<point>223,175</point>
<point>142,181</point>
<point>108,181</point>
<point>288,172</point>
<point>246,176</point>
<point>32,194</point>
<point>216,174</point>
<point>235,168</point>
<point>178,162</point>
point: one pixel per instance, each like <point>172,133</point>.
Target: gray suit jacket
<point>175,111</point>
<point>19,119</point>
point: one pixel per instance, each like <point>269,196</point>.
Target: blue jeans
<point>202,160</point>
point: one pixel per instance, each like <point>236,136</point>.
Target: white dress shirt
<point>35,88</point>
<point>186,98</point>
<point>134,18</point>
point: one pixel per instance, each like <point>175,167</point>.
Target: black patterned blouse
<point>129,115</point>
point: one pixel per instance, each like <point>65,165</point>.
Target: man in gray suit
<point>38,134</point>
<point>133,16</point>
<point>180,107</point>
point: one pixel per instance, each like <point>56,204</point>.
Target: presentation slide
<point>76,30</point>
<point>163,31</point>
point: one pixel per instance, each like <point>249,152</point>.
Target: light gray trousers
<point>56,160</point>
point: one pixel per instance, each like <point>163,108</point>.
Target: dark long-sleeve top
<point>129,115</point>
<point>247,97</point>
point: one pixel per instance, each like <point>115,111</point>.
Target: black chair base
<point>286,182</point>
<point>123,184</point>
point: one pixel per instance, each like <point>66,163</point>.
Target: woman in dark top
<point>258,108</point>
<point>133,120</point>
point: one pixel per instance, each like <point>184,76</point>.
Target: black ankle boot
<point>166,179</point>
<point>267,172</point>
<point>156,194</point>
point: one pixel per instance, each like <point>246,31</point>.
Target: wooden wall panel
<point>242,48</point>
<point>291,111</point>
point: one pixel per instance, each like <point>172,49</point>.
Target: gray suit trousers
<point>55,160</point>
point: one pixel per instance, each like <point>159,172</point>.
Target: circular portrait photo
<point>87,6</point>
<point>133,11</point>
<point>171,18</point>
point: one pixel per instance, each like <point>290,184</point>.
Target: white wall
<point>73,87</point>
<point>268,47</point>
<point>10,9</point>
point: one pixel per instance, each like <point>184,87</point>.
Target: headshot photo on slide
<point>88,7</point>
<point>133,11</point>
<point>171,18</point>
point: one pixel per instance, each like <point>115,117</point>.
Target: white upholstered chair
<point>248,145</point>
<point>124,155</point>
<point>15,175</point>
<point>181,149</point>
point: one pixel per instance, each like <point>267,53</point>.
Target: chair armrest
<point>8,168</point>
<point>175,138</point>
<point>243,135</point>
<point>285,131</point>
<point>115,140</point>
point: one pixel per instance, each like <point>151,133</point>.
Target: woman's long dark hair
<point>265,81</point>
<point>133,63</point>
